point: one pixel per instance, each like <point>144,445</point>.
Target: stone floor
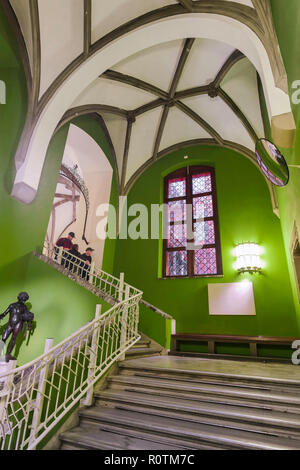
<point>286,372</point>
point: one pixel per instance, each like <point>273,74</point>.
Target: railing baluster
<point>91,280</point>
<point>40,397</point>
<point>60,254</point>
<point>121,287</point>
<point>124,322</point>
<point>87,401</point>
<point>7,383</point>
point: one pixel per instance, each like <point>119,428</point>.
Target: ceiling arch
<point>124,91</point>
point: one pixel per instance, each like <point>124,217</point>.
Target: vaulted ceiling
<point>173,94</point>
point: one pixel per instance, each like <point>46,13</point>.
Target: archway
<point>84,183</point>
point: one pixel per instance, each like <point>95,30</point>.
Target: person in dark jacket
<point>67,245</point>
<point>74,256</point>
<point>87,261</point>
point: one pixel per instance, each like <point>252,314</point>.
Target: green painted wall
<point>59,304</point>
<point>245,214</point>
<point>286,17</point>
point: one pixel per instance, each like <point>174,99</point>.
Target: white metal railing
<point>107,285</point>
<point>169,323</point>
<point>111,288</point>
<point>35,397</point>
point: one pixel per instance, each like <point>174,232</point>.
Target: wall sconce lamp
<point>248,258</point>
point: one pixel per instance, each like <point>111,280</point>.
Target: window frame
<point>187,172</point>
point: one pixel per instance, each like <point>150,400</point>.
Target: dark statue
<point>18,316</point>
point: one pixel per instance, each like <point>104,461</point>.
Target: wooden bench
<point>212,340</point>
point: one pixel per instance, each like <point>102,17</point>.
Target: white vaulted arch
<point>196,25</point>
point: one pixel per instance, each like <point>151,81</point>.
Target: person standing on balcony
<point>74,256</point>
<point>87,261</point>
<point>67,245</point>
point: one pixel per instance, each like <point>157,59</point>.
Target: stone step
<point>90,438</point>
<point>189,433</point>
<point>258,416</point>
<point>133,383</point>
<point>148,351</point>
<point>138,367</point>
<point>232,357</point>
<point>247,385</point>
<point>143,344</point>
<point>221,400</point>
<point>214,419</point>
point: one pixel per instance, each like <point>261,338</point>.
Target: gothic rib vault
<point>177,87</point>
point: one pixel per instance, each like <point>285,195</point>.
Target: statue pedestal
<point>5,359</point>
<point>7,364</point>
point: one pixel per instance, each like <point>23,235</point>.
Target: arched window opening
<point>192,238</point>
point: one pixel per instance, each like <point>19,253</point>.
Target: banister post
<point>7,381</point>
<point>88,400</point>
<point>38,405</point>
<point>60,253</point>
<point>91,278</point>
<point>170,330</point>
<point>124,322</point>
<point>121,287</point>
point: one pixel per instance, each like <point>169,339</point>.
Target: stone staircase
<point>149,407</point>
<point>144,347</point>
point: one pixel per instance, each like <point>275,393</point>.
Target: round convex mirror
<point>272,162</point>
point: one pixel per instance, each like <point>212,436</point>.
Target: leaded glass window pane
<point>204,233</point>
<point>205,261</point>
<point>177,236</point>
<point>203,207</point>
<point>177,263</point>
<point>177,211</point>
<point>177,188</point>
<point>201,183</point>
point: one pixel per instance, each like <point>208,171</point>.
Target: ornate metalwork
<point>73,175</point>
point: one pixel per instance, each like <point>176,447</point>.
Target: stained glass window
<point>192,244</point>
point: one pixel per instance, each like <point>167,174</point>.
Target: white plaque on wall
<point>234,298</point>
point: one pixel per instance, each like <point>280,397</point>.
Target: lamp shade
<point>248,257</point>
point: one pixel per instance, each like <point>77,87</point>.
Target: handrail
<point>68,339</point>
<point>112,288</point>
<point>156,310</point>
<point>169,323</point>
<point>36,396</point>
